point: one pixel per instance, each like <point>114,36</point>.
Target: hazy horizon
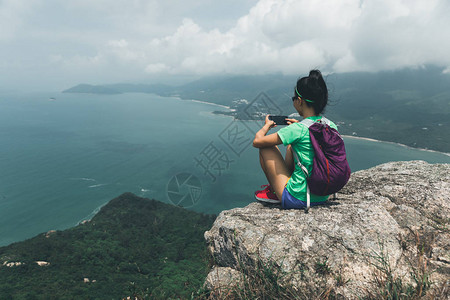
<point>53,45</point>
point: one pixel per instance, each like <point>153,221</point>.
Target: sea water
<point>63,156</point>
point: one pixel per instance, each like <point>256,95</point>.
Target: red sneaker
<point>266,195</point>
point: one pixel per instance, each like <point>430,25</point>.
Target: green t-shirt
<point>297,135</point>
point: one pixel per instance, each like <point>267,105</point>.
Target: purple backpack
<point>330,171</point>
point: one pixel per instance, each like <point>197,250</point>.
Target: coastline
<point>196,101</point>
<point>210,103</point>
<point>394,143</point>
<point>346,136</point>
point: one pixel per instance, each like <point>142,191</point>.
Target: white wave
<point>83,178</point>
<point>92,214</point>
<point>144,192</point>
<point>97,185</point>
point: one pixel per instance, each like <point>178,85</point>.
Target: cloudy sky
<point>56,44</point>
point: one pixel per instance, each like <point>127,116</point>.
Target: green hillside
<point>132,246</point>
<point>93,89</point>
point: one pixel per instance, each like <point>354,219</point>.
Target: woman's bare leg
<point>263,167</point>
<point>274,166</point>
<point>289,159</point>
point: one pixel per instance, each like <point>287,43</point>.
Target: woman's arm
<point>262,140</point>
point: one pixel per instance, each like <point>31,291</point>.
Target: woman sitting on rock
<point>287,181</point>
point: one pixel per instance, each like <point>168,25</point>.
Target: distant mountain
<point>214,89</point>
<point>92,89</point>
<point>132,247</point>
<point>410,106</point>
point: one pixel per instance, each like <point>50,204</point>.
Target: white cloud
<point>12,15</point>
<point>118,43</point>
<point>157,68</point>
<point>290,36</point>
<point>396,34</point>
<point>127,40</point>
<point>79,62</point>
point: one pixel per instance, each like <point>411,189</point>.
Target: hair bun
<point>315,78</point>
<point>315,74</point>
<point>314,88</point>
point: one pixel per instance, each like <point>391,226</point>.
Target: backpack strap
<point>309,122</point>
<point>324,121</point>
<point>305,171</point>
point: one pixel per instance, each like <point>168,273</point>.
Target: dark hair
<point>313,88</point>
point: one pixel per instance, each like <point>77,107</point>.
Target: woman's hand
<point>262,140</point>
<point>292,121</point>
<point>269,123</point>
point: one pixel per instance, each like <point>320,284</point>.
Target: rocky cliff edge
<point>389,224</point>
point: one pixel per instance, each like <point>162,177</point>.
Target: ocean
<point>64,156</point>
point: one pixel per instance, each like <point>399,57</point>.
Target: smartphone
<point>279,120</point>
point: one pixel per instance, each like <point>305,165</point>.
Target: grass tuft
<point>322,268</point>
<point>389,286</point>
<point>267,279</point>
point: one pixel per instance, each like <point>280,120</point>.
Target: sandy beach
<point>394,143</point>
<point>204,102</point>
